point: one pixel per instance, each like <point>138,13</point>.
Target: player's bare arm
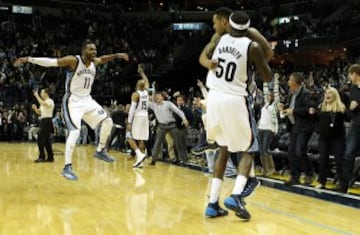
<point>256,36</point>
<point>67,61</point>
<point>144,77</point>
<point>205,56</point>
<point>107,58</point>
<point>134,101</point>
<point>258,59</point>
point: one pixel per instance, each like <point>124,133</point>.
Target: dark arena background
<point>320,39</point>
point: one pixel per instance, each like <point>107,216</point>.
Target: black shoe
<point>292,182</point>
<point>341,189</point>
<point>214,210</point>
<point>39,160</point>
<point>251,184</point>
<point>236,203</point>
<point>49,160</point>
<point>152,163</point>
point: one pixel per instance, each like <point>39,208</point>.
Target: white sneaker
<point>140,160</point>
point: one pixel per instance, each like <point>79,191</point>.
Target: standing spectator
<point>302,124</point>
<point>182,129</point>
<point>331,128</point>
<point>46,127</point>
<point>164,111</point>
<point>268,126</point>
<point>353,138</point>
<point>21,122</point>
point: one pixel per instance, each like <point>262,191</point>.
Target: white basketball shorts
<point>228,121</point>
<point>76,108</point>
<point>140,128</point>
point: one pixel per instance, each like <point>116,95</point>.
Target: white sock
<point>252,170</point>
<point>105,131</point>
<point>215,190</point>
<point>70,145</point>
<point>210,158</point>
<point>239,184</point>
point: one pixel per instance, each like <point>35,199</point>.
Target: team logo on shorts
<point>101,112</point>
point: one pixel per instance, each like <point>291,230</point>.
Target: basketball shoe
<point>214,210</point>
<point>103,155</point>
<point>236,203</point>
<point>251,184</point>
<point>68,173</point>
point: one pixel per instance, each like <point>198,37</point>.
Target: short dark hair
<point>240,17</point>
<point>298,77</point>
<point>223,12</point>
<point>162,93</point>
<point>181,96</point>
<point>355,68</point>
<point>85,43</point>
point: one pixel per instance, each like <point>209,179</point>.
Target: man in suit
<point>302,125</point>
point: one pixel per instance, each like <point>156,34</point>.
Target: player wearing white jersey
<point>229,109</point>
<point>77,102</point>
<point>222,26</point>
<point>138,120</point>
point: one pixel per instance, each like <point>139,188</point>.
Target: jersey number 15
<point>227,68</point>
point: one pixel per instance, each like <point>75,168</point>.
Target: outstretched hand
<point>35,92</point>
<point>140,70</point>
<point>20,61</point>
<point>123,56</point>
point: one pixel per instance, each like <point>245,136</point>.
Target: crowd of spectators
<point>144,40</point>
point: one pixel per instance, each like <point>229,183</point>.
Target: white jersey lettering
<point>80,81</point>
<point>231,76</point>
<point>143,104</point>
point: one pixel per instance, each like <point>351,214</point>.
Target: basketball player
<point>77,102</point>
<point>138,120</point>
<point>229,110</point>
<point>45,111</point>
<point>221,26</point>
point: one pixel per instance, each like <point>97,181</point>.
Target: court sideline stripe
<point>301,219</point>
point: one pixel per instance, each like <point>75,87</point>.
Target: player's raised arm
<point>144,77</point>
<point>258,59</point>
<point>67,61</point>
<point>107,58</point>
<point>256,36</point>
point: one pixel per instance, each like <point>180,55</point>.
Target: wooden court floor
<point>162,199</point>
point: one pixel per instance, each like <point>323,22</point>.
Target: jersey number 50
<point>228,68</point>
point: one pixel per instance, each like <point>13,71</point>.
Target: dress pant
<point>182,150</point>
<point>335,145</point>
<point>44,138</point>
<point>352,148</point>
<point>161,131</point>
<point>297,152</point>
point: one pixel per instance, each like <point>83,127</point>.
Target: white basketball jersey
<point>80,81</point>
<point>231,76</point>
<point>143,104</point>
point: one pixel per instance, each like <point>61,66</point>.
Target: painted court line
<point>301,219</point>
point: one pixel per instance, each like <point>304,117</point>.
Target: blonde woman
<point>330,126</point>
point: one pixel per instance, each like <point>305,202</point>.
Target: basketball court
<point>163,199</point>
